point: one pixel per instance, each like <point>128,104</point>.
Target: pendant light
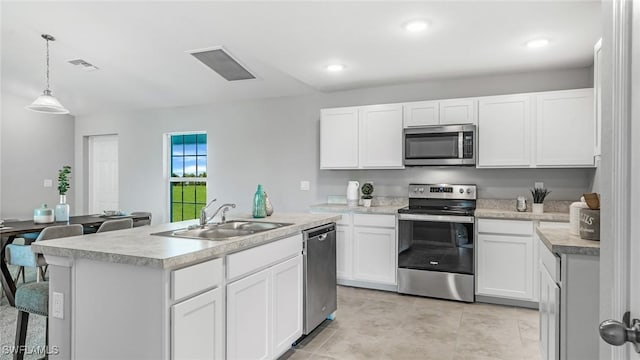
<point>46,103</point>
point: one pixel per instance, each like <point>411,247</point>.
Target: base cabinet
<point>264,312</point>
<point>201,315</point>
<point>549,316</point>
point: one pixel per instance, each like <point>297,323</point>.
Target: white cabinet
<point>458,111</point>
<point>361,137</point>
<point>597,95</point>
<point>249,317</point>
<point>549,307</point>
<point>196,327</point>
<point>565,128</point>
<point>506,259</point>
<point>380,136</point>
<point>374,254</point>
<point>367,251</point>
<point>264,303</point>
<point>339,138</point>
<point>440,112</point>
<point>504,131</point>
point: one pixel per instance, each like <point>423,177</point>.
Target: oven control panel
<point>442,191</point>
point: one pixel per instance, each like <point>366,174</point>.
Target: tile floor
<point>382,325</point>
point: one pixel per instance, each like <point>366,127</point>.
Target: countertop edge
<point>561,249</point>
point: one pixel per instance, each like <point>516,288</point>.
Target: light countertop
<point>558,239</point>
<point>344,209</point>
<point>138,247</point>
<point>516,215</point>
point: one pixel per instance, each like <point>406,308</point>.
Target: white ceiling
<point>141,47</point>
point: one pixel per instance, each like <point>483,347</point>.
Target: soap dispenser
<point>259,208</point>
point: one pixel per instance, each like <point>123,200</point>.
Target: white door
<point>287,304</point>
<point>339,138</point>
<point>103,173</point>
<point>380,137</point>
<point>375,255</point>
<point>196,327</point>
<point>620,170</point>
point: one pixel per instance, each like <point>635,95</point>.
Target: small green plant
<point>63,179</point>
<point>367,190</point>
<point>539,194</point>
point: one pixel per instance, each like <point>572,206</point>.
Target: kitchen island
<point>132,295</point>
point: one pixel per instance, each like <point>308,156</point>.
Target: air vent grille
<point>84,65</point>
<point>224,64</point>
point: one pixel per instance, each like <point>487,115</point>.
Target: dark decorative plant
<point>63,179</point>
<point>367,190</point>
<point>539,194</point>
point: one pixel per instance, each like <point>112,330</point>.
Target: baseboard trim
<point>509,302</point>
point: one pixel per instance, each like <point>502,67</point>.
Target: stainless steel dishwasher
<point>320,297</point>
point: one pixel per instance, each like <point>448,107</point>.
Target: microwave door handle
<point>460,145</point>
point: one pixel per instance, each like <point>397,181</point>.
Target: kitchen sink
<point>224,231</point>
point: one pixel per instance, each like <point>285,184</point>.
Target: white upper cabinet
<point>339,138</point>
<point>440,112</point>
<point>458,111</point>
<point>504,131</point>
<point>381,136</point>
<point>565,128</point>
<point>421,113</point>
<point>366,137</point>
<point>597,94</point>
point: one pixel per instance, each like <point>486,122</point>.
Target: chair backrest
<point>119,224</point>
<point>59,231</point>
<point>141,222</point>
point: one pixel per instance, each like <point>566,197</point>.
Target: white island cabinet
<point>131,295</point>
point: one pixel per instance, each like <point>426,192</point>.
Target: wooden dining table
<point>12,229</point>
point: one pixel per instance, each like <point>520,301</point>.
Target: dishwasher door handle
<point>322,237</point>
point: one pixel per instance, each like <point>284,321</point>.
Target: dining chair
<point>141,214</point>
<point>21,255</point>
<point>119,224</point>
<point>31,298</point>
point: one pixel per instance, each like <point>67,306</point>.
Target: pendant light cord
<point>47,64</point>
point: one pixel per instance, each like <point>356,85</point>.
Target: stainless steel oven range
<point>436,242</point>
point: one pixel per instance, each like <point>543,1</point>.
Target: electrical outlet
<point>58,305</point>
<point>304,185</point>
<point>538,185</point>
<point>48,183</point>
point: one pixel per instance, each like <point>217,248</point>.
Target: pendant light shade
<point>46,103</point>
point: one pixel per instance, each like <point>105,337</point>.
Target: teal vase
<point>259,208</point>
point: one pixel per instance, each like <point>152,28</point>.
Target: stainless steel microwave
<point>448,145</point>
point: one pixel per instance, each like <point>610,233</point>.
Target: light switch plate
<point>304,185</point>
<point>58,305</point>
<point>538,185</point>
<point>48,183</point>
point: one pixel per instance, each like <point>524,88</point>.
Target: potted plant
<point>367,190</point>
<point>539,194</point>
<point>62,209</point>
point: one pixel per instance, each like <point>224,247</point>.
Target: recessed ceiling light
<point>537,43</point>
<point>335,67</point>
<point>416,26</point>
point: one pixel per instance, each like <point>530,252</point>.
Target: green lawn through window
<point>187,199</point>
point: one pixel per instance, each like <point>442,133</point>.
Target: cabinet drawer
<point>345,220</point>
<point>247,261</point>
<point>374,220</point>
<point>514,227</point>
<point>193,279</point>
<point>549,261</point>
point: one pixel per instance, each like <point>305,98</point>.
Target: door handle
<point>618,333</point>
<point>322,237</point>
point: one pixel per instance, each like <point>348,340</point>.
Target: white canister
<point>43,215</point>
<point>352,193</point>
<point>574,216</point>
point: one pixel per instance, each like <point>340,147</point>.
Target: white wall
<point>33,147</point>
<point>275,142</point>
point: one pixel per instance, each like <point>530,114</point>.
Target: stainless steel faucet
<point>204,220</point>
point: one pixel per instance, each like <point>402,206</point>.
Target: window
<point>188,175</point>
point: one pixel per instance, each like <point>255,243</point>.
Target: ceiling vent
<point>85,66</point>
<point>220,61</point>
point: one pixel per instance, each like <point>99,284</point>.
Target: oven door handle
<point>438,218</point>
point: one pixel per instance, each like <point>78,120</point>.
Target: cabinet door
<point>196,327</point>
<point>339,138</point>
<point>565,128</point>
<point>458,111</point>
<point>421,113</point>
<point>597,93</point>
<point>375,255</point>
<point>344,252</point>
<point>248,317</point>
<point>549,316</point>
<point>381,136</point>
<point>504,131</point>
<point>287,304</point>
<point>505,266</point>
